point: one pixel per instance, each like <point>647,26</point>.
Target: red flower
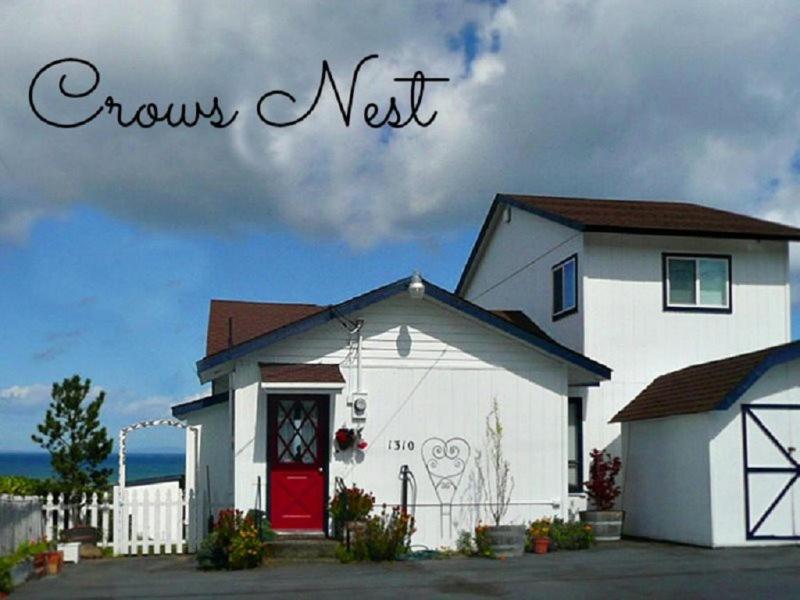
<point>361,444</point>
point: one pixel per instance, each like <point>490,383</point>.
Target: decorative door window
<point>297,431</point>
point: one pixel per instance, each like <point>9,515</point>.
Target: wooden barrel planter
<point>606,524</point>
<point>507,540</point>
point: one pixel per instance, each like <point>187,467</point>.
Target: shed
<point>710,452</point>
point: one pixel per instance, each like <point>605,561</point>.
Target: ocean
<point>139,465</point>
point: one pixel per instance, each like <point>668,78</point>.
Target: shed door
<point>298,461</point>
<point>771,435</point>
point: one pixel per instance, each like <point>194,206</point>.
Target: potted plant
<point>539,536</point>
<point>345,438</point>
<point>496,484</point>
<point>348,509</point>
<point>602,491</point>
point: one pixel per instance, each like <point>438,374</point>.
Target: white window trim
<point>725,260</point>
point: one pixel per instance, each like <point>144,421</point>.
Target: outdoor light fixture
<point>416,289</point>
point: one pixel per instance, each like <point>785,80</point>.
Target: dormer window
<point>565,287</point>
<point>699,283</point>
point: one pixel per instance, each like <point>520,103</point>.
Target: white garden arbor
<point>149,519</point>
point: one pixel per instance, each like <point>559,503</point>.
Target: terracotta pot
<point>55,560</point>
<point>541,545</point>
<point>40,564</point>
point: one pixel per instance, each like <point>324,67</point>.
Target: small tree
<point>601,487</point>
<point>494,471</point>
<point>72,434</point>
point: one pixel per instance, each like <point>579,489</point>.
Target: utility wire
<point>523,267</point>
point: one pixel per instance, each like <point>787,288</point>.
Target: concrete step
<point>301,547</point>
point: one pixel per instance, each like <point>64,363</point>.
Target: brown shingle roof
<point>650,217</point>
<point>521,320</point>
<point>704,387</point>
<point>249,320</point>
<point>300,373</point>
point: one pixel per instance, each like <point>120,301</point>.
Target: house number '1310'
<point>401,445</point>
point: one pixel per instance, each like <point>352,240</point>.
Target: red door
<point>297,441</point>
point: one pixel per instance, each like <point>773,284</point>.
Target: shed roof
<point>714,385</point>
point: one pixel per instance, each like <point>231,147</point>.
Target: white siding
<point>684,480</point>
<point>214,458</point>
<point>666,485</point>
<point>534,245</point>
<point>627,329</point>
<point>429,372</point>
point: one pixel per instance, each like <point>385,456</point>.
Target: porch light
<point>416,289</point>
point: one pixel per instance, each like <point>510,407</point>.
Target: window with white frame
<point>565,287</point>
<point>697,282</point>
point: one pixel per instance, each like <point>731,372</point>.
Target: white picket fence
<point>92,510</point>
<point>137,521</point>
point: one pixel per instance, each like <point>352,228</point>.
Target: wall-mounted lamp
<point>416,289</point>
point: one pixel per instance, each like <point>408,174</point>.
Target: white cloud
<point>616,98</point>
<point>25,396</point>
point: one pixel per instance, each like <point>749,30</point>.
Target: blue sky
<point>128,306</point>
<point>113,240</point>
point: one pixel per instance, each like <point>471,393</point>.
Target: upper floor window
<point>697,283</point>
<point>565,287</point>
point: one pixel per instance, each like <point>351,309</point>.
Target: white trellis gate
<point>150,519</point>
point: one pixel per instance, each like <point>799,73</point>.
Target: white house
<point>646,287</point>
<point>711,452</point>
<point>412,365</point>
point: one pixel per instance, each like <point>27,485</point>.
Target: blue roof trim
<point>779,356</point>
<point>181,410</point>
<point>510,201</point>
<point>387,291</point>
<point>489,318</point>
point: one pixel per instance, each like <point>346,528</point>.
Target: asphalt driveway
<point>618,570</point>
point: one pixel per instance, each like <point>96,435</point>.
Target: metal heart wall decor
<point>445,461</point>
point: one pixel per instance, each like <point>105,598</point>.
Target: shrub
<point>483,545</point>
<point>464,543</point>
<point>17,485</point>
<point>384,537</point>
<point>350,504</point>
<point>572,535</point>
<point>236,542</point>
<point>601,487</point>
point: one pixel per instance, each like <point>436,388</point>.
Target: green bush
<point>236,542</point>
<point>464,544</point>
<point>384,537</point>
<point>573,535</point>
<point>17,485</point>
